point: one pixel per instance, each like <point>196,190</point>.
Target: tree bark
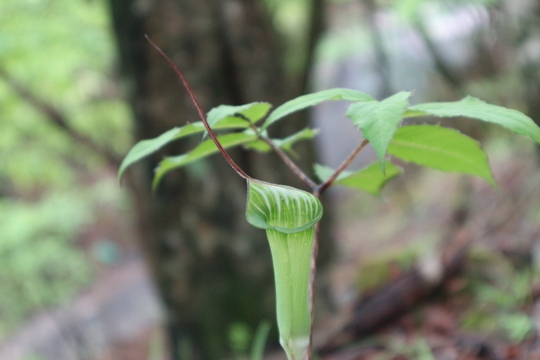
<point>211,268</point>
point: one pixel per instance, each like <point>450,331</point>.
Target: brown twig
<point>56,117</point>
<point>291,164</point>
<point>325,185</point>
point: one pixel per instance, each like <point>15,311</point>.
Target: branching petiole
<point>325,185</point>
<point>291,164</point>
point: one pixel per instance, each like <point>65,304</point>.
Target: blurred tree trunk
<point>530,69</point>
<point>211,268</point>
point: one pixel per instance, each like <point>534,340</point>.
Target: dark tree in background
<point>210,267</point>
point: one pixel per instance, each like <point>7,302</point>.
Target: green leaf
<point>259,341</point>
<point>258,145</point>
<point>475,108</point>
<point>242,114</point>
<point>282,208</point>
<point>442,149</point>
<point>370,179</point>
<point>413,113</point>
<point>252,112</point>
<point>287,143</point>
<point>201,151</point>
<point>308,100</point>
<point>147,147</point>
<point>379,120</point>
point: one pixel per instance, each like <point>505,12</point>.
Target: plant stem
<point>318,191</point>
<point>325,185</point>
<point>291,164</point>
<point>311,289</point>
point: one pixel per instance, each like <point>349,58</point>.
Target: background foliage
<point>51,185</point>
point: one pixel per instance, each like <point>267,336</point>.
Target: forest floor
<point>488,309</point>
<point>113,319</point>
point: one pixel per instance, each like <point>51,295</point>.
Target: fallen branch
<point>398,297</point>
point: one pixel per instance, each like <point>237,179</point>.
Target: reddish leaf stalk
<point>200,111</point>
<point>322,188</point>
<point>291,164</point>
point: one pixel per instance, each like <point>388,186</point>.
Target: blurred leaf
<point>259,341</point>
<point>517,326</point>
<point>408,9</point>
<point>287,143</point>
<point>291,19</point>
<point>201,151</point>
<point>442,149</point>
<point>478,109</point>
<point>378,120</point>
<point>341,44</point>
<point>422,350</point>
<point>258,145</point>
<point>313,99</point>
<point>73,74</point>
<point>370,179</point>
<point>147,147</point>
<point>252,112</point>
<point>239,337</point>
<point>40,264</point>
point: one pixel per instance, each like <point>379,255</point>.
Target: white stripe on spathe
<point>281,207</point>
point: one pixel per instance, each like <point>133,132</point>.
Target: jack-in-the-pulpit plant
<point>290,215</point>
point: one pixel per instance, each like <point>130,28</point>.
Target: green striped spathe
<point>289,216</point>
